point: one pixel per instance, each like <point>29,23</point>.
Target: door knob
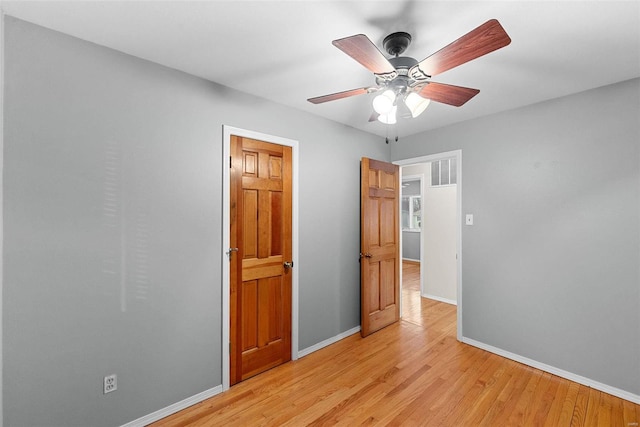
<point>231,250</point>
<point>365,255</point>
<point>288,264</point>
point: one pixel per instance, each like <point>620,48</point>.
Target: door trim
<point>226,221</point>
<point>439,156</point>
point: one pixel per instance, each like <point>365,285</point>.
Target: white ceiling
<point>282,51</point>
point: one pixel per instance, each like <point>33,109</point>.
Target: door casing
<point>226,221</point>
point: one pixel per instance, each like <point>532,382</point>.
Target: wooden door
<point>380,250</point>
<point>260,291</point>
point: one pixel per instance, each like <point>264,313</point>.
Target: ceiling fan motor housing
<point>402,64</point>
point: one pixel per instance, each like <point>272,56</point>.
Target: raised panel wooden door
<point>380,250</point>
<point>260,298</point>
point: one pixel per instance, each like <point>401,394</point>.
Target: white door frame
<point>226,222</point>
<point>440,156</point>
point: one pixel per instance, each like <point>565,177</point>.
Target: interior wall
<point>1,203</point>
<point>112,220</point>
<point>550,269</point>
<point>441,269</point>
<point>411,245</point>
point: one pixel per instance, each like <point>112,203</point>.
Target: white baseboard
<point>555,371</point>
<point>411,259</point>
<point>176,407</point>
<point>183,404</point>
<point>328,341</point>
<point>437,298</point>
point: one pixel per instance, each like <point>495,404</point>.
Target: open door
<point>379,245</point>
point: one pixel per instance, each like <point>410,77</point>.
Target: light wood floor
<point>413,373</point>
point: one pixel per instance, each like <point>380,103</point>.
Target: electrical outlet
<point>110,383</point>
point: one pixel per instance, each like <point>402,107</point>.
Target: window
<point>411,213</point>
<point>443,172</point>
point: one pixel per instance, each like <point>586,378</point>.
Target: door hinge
<point>230,162</point>
<point>229,347</point>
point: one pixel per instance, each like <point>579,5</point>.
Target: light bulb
<point>383,103</point>
<point>416,104</point>
<point>389,118</point>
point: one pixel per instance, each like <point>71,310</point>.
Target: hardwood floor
<point>413,373</point>
<point>412,304</point>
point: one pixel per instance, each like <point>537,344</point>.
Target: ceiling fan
<point>406,83</point>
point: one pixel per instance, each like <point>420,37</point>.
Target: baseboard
<point>183,404</point>
<point>437,298</point>
<point>555,371</point>
<point>411,260</point>
<point>328,341</point>
<point>176,407</point>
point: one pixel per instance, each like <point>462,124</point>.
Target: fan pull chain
<point>395,128</point>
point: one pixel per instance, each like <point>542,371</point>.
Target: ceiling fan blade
<point>486,38</point>
<point>360,48</point>
<point>448,94</point>
<point>339,95</point>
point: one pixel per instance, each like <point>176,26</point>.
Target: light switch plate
<point>469,219</point>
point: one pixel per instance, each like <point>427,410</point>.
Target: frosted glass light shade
<point>383,103</point>
<point>416,104</point>
<point>389,118</point>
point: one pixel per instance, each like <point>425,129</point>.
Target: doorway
<point>229,304</point>
<point>442,188</point>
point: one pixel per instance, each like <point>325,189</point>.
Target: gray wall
<point>411,245</point>
<point>112,223</point>
<point>550,268</point>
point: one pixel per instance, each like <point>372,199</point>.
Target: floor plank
<point>414,372</point>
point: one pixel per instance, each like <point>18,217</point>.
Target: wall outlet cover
<point>110,383</point>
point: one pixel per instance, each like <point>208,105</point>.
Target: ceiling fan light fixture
<point>390,117</point>
<point>383,103</point>
<point>416,104</point>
